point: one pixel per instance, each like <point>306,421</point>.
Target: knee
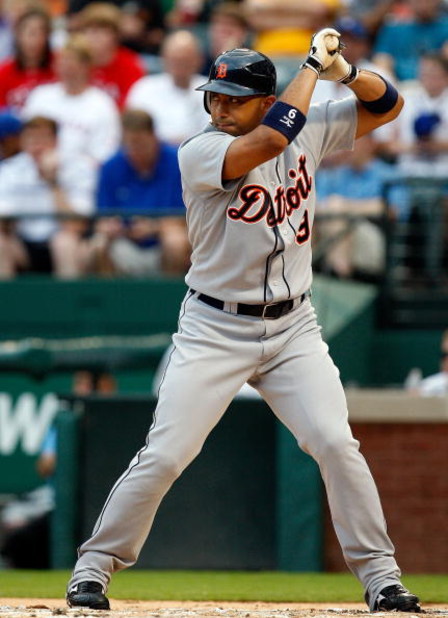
<point>169,466</point>
<point>334,446</point>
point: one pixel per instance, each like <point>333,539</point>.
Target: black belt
<point>272,311</point>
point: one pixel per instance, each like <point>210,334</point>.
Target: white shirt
<point>436,384</point>
<point>89,123</point>
<point>417,102</point>
<point>178,113</point>
<point>22,191</point>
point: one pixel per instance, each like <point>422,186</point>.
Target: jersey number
<point>303,233</point>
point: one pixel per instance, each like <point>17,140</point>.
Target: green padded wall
<point>239,508</point>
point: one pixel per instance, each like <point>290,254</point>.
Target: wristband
<point>286,119</point>
<point>385,103</point>
<point>312,63</point>
<point>350,78</point>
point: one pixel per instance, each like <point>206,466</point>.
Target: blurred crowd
<point>95,98</point>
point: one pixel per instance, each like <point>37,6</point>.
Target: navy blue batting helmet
<point>240,73</point>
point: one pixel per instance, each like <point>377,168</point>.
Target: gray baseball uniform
<point>251,244</point>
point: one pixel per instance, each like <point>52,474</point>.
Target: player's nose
<point>221,106</point>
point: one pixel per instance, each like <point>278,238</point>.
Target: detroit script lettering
<point>257,203</point>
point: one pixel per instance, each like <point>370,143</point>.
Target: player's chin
<point>231,129</point>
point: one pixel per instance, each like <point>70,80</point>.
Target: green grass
<point>219,586</point>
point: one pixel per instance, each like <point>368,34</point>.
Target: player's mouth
<point>227,127</point>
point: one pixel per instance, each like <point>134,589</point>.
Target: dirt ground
<point>48,608</point>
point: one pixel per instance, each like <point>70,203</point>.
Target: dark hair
<point>45,17</point>
<point>137,120</point>
<point>41,122</point>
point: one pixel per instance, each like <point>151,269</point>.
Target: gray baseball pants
<point>215,353</point>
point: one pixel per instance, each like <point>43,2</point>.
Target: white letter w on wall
<point>25,422</point>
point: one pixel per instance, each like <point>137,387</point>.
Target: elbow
<point>398,107</point>
<point>274,143</point>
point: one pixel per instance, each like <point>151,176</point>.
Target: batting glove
<point>325,48</point>
<point>340,71</point>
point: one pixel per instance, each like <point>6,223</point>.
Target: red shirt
<point>118,76</point>
<point>16,84</point>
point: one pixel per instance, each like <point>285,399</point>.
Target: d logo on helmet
<point>221,71</point>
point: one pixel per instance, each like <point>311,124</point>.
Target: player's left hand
<point>339,71</point>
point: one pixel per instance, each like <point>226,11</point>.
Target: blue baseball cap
<point>351,26</point>
<point>9,125</point>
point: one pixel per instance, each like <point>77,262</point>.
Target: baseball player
<point>248,182</point>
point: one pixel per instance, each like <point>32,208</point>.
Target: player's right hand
<point>325,47</point>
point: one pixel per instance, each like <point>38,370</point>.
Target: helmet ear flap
<point>207,96</point>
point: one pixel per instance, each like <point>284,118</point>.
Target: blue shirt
<point>406,42</point>
<point>121,187</point>
<point>366,183</point>
<point>356,184</point>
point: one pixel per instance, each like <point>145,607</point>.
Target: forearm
<point>378,101</point>
<point>300,90</point>
<point>368,86</point>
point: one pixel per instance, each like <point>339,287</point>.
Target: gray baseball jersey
<point>251,244</point>
<point>250,236</point>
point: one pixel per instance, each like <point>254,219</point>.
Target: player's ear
<point>269,102</point>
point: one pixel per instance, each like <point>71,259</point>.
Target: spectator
<point>356,37</point>
<point>32,62</point>
<point>208,7</point>
<point>142,24</point>
<point>88,119</point>
<point>285,27</point>
<point>354,189</point>
<point>371,13</point>
<point>227,29</point>
<point>418,141</point>
<point>143,175</point>
<point>39,181</point>
<point>437,384</point>
<point>10,128</point>
<point>115,68</point>
<point>171,97</point>
<point>185,13</point>
<point>400,44</point>
<point>419,137</point>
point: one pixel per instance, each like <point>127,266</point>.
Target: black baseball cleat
<point>396,598</point>
<point>88,594</point>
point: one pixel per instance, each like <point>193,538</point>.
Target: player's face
<point>238,115</point>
